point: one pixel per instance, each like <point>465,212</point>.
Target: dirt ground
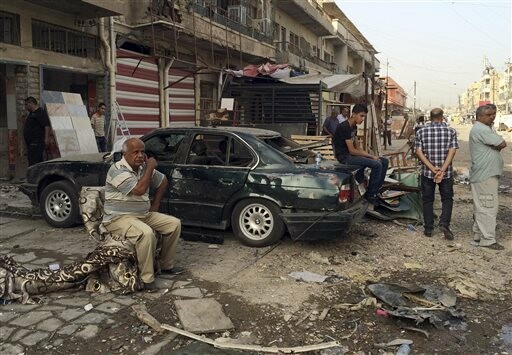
<point>268,307</point>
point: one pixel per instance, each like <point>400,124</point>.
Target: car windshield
<point>270,157</point>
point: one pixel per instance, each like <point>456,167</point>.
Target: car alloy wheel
<point>58,203</point>
<point>256,222</point>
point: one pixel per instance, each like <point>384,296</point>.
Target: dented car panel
<point>226,176</point>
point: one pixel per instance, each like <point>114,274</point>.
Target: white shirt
<point>341,118</point>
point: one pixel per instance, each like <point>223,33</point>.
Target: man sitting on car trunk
<point>348,152</point>
<point>129,212</point>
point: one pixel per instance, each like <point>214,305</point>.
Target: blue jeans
<point>102,144</point>
<point>377,175</point>
<point>428,189</point>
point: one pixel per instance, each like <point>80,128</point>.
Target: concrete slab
<point>88,332</point>
<point>91,318</point>
<point>18,307</point>
<point>13,229</point>
<point>180,284</point>
<point>202,316</point>
<point>124,300</point>
<point>5,316</point>
<point>25,257</point>
<point>108,307</point>
<point>78,301</point>
<point>72,313</point>
<point>43,261</point>
<point>68,329</point>
<point>163,283</point>
<point>34,338</point>
<point>6,348</point>
<point>31,318</point>
<point>19,334</point>
<point>50,324</point>
<point>5,332</point>
<point>190,292</point>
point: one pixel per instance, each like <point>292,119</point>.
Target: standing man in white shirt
<point>344,114</point>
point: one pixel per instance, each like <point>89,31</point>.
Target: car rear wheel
<point>257,223</point>
<point>59,204</point>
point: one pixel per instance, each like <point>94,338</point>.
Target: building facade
<point>161,61</point>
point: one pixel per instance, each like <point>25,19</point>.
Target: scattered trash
<point>393,343</point>
<point>382,313</point>
<point>307,276</point>
<point>471,289</point>
<point>213,246</point>
<point>54,267</point>
<point>368,301</point>
<point>403,349</point>
<point>419,303</point>
<point>504,188</point>
<point>323,314</point>
<point>88,307</point>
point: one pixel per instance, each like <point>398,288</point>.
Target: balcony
<point>308,14</point>
<point>84,9</point>
<point>239,21</point>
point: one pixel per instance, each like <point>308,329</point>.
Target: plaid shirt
<point>435,140</point>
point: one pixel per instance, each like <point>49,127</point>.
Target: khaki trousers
<point>139,233</point>
<point>485,210</point>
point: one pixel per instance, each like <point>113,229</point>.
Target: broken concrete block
<point>202,315</point>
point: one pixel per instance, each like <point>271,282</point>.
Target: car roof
<point>258,132</point>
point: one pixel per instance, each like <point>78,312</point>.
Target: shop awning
<point>352,84</point>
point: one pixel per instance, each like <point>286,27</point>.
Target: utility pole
<point>414,103</point>
<point>386,104</point>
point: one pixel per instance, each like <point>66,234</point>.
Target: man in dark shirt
<point>348,152</point>
<point>36,131</point>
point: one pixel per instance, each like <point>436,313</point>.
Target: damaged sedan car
<point>219,178</point>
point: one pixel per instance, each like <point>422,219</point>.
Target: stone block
<point>31,318</point>
<point>20,334</point>
<point>124,300</point>
<point>78,301</point>
<point>50,324</point>
<point>5,332</point>
<point>6,348</point>
<point>5,316</point>
<point>34,338</point>
<point>71,313</point>
<point>88,332</point>
<point>190,292</point>
<point>202,315</point>
<point>68,329</point>
<point>91,318</point>
<point>108,307</point>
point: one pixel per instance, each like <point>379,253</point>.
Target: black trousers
<point>35,152</point>
<point>387,134</point>
<point>428,189</point>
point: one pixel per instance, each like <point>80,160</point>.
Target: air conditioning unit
<point>238,13</point>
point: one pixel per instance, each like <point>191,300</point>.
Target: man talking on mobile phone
<point>130,213</point>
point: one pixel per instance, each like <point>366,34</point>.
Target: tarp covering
<point>352,84</point>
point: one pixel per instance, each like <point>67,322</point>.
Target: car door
<point>216,167</point>
<point>165,148</point>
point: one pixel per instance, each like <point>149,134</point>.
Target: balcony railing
<point>241,22</point>
<point>308,55</point>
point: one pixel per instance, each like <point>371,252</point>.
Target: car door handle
<point>225,181</point>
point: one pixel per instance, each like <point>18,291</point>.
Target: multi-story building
<point>396,97</point>
<point>162,61</point>
<point>504,100</point>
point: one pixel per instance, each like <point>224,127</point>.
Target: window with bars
<point>9,28</point>
<point>62,40</point>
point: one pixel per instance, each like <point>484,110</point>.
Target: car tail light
<point>345,194</point>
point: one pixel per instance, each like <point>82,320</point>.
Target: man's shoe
<point>447,232</point>
<point>173,271</point>
<point>151,286</point>
<point>428,234</point>
<point>494,246</point>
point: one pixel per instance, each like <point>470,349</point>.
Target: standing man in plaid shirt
<point>435,147</point>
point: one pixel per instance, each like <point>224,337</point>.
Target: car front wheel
<point>59,204</point>
<point>257,223</point>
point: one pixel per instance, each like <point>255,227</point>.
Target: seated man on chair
<point>347,152</point>
<point>130,213</point>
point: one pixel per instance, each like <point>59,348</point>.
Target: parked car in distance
<point>219,177</point>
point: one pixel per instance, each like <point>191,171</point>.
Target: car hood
<point>89,158</point>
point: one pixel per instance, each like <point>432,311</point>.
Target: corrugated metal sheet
<point>137,93</point>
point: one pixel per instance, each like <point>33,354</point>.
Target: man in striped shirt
<point>130,213</point>
<point>435,147</point>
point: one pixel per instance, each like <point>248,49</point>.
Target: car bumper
<point>323,225</point>
<point>31,191</point>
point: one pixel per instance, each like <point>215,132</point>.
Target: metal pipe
<point>111,74</point>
